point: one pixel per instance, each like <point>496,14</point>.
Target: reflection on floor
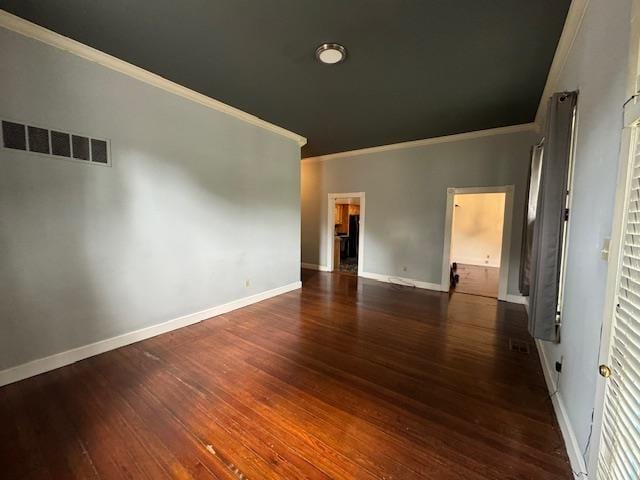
<point>477,280</point>
<point>348,265</point>
<point>346,378</point>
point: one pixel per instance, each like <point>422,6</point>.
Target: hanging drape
<point>530,217</point>
<point>548,229</point>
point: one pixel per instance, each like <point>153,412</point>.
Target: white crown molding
<point>570,30</point>
<point>36,32</point>
<point>68,357</point>
<point>458,137</point>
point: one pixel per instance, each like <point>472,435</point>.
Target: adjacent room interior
<point>476,243</point>
<point>347,224</point>
<point>320,240</point>
<point>346,241</point>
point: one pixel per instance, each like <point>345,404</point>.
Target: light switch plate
<point>604,253</point>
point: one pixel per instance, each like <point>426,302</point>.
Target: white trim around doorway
<point>506,235</point>
<point>331,228</point>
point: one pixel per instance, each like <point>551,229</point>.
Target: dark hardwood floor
<point>478,280</point>
<point>346,378</point>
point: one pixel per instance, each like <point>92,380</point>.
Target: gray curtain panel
<point>530,216</point>
<point>550,218</point>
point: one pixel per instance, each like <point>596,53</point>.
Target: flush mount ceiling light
<point>331,53</point>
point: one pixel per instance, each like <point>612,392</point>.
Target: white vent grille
<point>619,457</point>
<point>55,143</point>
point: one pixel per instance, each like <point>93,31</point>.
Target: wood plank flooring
<point>478,280</point>
<point>346,378</point>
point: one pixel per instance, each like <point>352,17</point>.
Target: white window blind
<point>619,457</point>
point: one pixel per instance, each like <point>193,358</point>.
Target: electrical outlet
<point>559,364</point>
<point>247,283</point>
<point>404,268</point>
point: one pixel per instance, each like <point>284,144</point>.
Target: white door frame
<point>629,137</point>
<point>506,234</point>
<point>331,205</point>
<point>614,257</point>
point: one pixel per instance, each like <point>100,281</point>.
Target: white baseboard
<point>409,282</point>
<point>578,464</point>
<point>511,298</point>
<point>314,266</point>
<point>478,262</point>
<point>58,360</point>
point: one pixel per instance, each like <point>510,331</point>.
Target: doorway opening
<point>477,234</point>
<point>346,228</point>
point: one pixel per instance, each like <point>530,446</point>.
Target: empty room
<point>320,239</point>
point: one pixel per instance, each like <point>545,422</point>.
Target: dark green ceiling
<point>416,68</point>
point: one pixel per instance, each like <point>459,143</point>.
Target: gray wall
<point>597,67</point>
<point>196,203</point>
<point>406,194</point>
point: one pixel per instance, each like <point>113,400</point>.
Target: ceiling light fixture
<point>331,53</point>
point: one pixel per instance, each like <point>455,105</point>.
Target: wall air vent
<point>60,144</point>
<point>38,140</point>
<point>13,135</point>
<point>55,143</point>
<point>80,147</point>
<point>520,346</point>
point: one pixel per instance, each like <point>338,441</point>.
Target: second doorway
<point>476,243</point>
